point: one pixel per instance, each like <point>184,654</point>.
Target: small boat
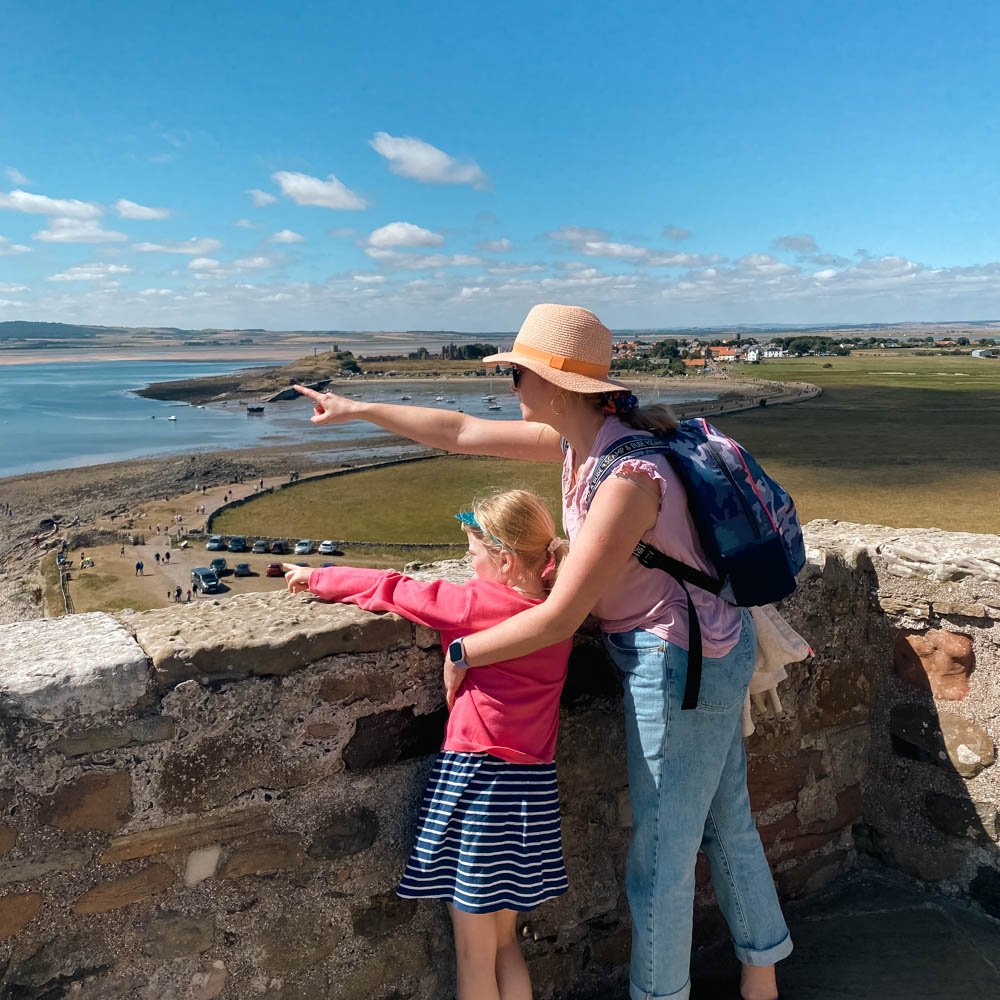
<point>255,409</point>
<point>171,417</point>
<point>439,399</point>
<point>493,406</point>
<point>449,401</point>
<point>406,397</point>
<point>489,399</point>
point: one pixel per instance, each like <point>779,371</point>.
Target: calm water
<point>62,415</point>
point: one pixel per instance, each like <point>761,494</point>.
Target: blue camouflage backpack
<point>746,523</point>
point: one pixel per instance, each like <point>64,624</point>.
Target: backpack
<point>746,524</point>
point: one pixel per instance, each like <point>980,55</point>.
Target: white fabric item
<point>778,644</point>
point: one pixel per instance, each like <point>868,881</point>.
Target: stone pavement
<point>875,934</point>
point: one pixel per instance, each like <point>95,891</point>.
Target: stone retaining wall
<point>215,800</point>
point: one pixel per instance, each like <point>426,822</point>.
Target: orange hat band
<point>560,361</point>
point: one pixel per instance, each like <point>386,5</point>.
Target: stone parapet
<point>216,800</point>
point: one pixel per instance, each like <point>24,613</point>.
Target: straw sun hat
<point>565,345</point>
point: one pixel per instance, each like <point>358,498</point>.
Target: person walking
<point>488,840</point>
<point>687,768</point>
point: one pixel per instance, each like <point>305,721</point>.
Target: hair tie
<point>622,401</point>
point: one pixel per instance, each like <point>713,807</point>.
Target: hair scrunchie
<point>621,401</point>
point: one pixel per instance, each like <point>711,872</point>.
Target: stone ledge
<point>257,634</point>
<point>78,665</point>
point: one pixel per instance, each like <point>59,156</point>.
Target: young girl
<point>488,840</point>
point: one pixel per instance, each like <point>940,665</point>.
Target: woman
<point>687,769</point>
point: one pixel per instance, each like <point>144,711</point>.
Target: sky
<point>446,165</point>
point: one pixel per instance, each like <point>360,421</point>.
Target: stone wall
<point>215,800</point>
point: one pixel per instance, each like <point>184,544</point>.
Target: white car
<point>303,547</point>
<point>326,547</point>
<point>215,544</point>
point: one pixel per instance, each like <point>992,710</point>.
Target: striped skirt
<point>488,836</point>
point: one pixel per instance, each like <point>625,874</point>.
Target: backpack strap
<point>652,558</point>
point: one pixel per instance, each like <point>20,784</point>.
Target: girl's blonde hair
<point>519,522</point>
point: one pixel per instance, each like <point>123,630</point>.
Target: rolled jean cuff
<point>748,956</point>
<point>637,994</point>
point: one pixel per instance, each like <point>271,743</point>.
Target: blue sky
<point>446,165</point>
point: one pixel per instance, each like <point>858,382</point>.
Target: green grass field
<point>895,439</point>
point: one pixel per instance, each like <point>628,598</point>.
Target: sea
<point>60,415</point>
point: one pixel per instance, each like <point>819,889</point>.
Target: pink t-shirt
<point>646,598</point>
<point>508,709</point>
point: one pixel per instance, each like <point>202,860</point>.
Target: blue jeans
<point>688,783</point>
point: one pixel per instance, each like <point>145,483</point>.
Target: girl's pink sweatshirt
<point>509,709</point>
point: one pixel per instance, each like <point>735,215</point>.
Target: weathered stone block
<point>898,606</point>
<point>391,736</point>
<point>938,661</point>
<point>54,969</point>
<point>217,769</point>
<point>382,916</point>
<point>296,940</point>
<point>344,834</point>
<point>38,867</point>
<point>17,910</point>
<point>961,609</point>
<point>198,832</point>
<point>776,779</point>
<point>202,864</point>
<point>94,801</point>
<point>350,685</point>
<point>173,935</point>
<point>947,740</point>
<point>126,890</point>
<point>261,634</point>
<point>8,838</point>
<point>963,817</point>
<point>79,665</point>
<point>842,695</point>
<point>265,857</point>
<point>153,729</point>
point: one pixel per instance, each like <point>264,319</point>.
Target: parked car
<point>205,580</point>
<point>279,548</point>
<point>215,544</point>
<point>326,547</point>
<point>274,569</point>
<point>260,546</point>
<point>219,566</point>
<point>242,569</point>
<point>237,543</point>
<point>303,547</point>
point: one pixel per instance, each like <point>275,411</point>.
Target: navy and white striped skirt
<point>488,836</point>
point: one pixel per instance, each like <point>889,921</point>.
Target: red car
<point>274,569</point>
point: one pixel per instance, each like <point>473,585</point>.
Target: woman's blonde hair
<point>519,522</point>
<point>658,418</point>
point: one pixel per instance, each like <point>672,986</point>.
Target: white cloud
<point>801,243</point>
<point>16,177</point>
<point>306,190</point>
<point>77,231</point>
<point>420,262</point>
<point>197,246</point>
<point>10,289</point>
<point>40,204</point>
<point>363,279</point>
<point>404,234</point>
<point>8,249</point>
<point>157,291</point>
<point>508,267</point>
<point>252,263</point>
<point>132,210</point>
<point>420,161</point>
<point>204,264</point>
<point>246,224</point>
<point>672,259</point>
<point>605,249</point>
<point>577,234</point>
<point>90,272</point>
<point>495,246</point>
<point>676,233</point>
<point>261,198</point>
<point>287,236</point>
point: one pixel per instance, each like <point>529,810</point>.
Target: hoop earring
<point>552,404</point>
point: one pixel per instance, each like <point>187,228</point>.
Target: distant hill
<point>20,329</point>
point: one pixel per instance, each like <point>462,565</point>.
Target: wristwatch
<point>456,654</point>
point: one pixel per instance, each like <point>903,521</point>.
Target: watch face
<point>455,651</point>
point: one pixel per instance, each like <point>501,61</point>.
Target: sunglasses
<point>515,375</point>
